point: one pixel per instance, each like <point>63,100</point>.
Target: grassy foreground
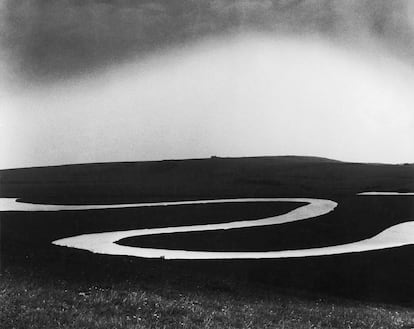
<point>44,286</point>
<point>34,300</point>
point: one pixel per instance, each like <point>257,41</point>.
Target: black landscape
<point>380,276</point>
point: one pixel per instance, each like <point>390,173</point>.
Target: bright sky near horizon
<point>245,95</point>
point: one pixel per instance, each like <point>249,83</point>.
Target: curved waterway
<point>387,193</point>
<point>105,243</point>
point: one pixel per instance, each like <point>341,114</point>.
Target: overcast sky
<point>123,81</point>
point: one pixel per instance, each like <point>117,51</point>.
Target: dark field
<point>362,280</point>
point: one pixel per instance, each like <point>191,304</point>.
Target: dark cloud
<point>52,38</point>
<point>48,39</point>
<point>242,7</point>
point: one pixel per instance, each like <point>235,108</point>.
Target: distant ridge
<point>215,177</point>
<point>296,158</point>
<point>282,158</point>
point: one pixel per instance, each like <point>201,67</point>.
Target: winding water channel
<point>105,242</point>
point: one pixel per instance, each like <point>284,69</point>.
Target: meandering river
<point>105,242</point>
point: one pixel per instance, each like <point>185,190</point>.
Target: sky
<point>122,80</point>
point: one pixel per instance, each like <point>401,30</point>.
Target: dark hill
<point>203,178</point>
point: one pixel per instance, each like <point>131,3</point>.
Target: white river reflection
<point>105,243</point>
<point>386,193</point>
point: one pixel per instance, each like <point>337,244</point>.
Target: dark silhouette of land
<point>384,275</point>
